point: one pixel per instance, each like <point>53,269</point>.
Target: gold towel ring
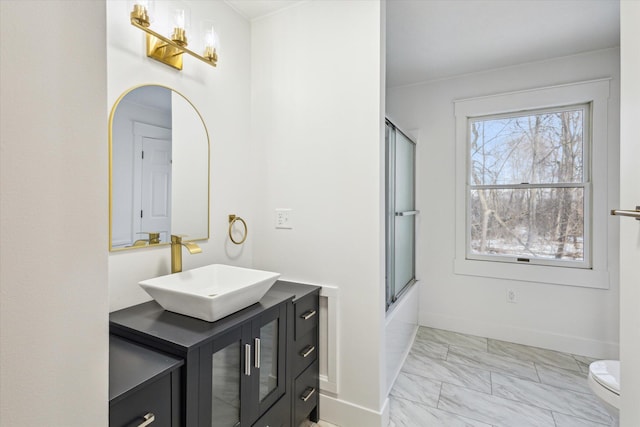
<point>232,220</point>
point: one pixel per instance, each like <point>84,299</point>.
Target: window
<point>532,185</point>
<point>528,187</point>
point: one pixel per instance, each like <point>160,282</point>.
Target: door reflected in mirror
<point>159,169</point>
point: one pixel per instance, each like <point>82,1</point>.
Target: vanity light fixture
<point>170,50</point>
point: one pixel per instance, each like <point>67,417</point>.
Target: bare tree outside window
<point>527,185</point>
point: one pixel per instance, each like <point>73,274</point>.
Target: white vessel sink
<point>211,292</point>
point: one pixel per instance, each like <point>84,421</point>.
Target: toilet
<point>604,381</point>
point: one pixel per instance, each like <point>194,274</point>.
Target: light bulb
<point>181,22</point>
<point>210,43</point>
<point>181,15</point>
<point>179,19</point>
<point>210,38</point>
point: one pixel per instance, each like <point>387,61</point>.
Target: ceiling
<point>434,39</point>
<point>252,9</point>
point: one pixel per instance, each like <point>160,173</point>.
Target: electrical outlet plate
<point>512,297</point>
<point>283,218</point>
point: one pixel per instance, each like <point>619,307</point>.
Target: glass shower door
<point>401,212</point>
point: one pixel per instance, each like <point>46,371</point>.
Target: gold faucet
<point>176,252</point>
<point>154,239</point>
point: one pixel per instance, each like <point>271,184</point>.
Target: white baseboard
<point>544,339</point>
<point>347,414</point>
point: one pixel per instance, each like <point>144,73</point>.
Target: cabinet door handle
<point>148,419</point>
<point>308,315</point>
<point>307,351</point>
<point>307,394</point>
<point>256,362</point>
<point>247,359</point>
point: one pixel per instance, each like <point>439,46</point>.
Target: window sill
<point>581,277</point>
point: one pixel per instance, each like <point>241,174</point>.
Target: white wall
<point>579,320</point>
<point>222,96</point>
<point>190,175</point>
<point>317,109</point>
<point>629,229</point>
<point>53,214</point>
<point>401,321</point>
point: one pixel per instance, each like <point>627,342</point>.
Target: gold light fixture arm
<point>168,51</point>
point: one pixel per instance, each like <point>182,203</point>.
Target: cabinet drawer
<point>305,351</point>
<point>154,399</point>
<point>306,315</point>
<point>305,397</point>
<point>277,416</point>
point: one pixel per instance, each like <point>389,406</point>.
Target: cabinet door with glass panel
<point>242,372</point>
<point>269,357</point>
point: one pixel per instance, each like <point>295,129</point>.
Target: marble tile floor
<point>451,379</point>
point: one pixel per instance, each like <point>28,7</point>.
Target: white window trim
<point>595,92</point>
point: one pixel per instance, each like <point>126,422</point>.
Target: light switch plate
<point>284,218</point>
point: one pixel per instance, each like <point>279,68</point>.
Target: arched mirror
<point>159,169</point>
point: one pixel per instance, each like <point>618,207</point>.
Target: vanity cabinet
<point>144,386</point>
<point>239,370</point>
<point>242,372</point>
<point>304,352</point>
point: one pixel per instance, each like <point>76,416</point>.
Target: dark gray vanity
<point>256,367</point>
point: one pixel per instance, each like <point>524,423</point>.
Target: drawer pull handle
<point>148,419</point>
<point>308,315</point>
<point>247,359</point>
<point>307,351</point>
<point>307,394</point>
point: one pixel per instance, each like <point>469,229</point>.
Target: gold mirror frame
<point>208,206</point>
